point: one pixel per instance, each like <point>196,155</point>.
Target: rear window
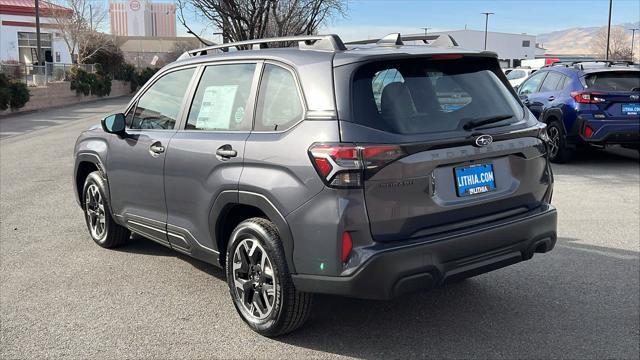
<point>614,81</point>
<point>430,96</point>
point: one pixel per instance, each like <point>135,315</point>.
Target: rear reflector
<point>588,131</point>
<point>347,246</point>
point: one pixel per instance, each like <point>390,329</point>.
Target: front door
<point>206,155</point>
<point>528,92</point>
<point>136,161</point>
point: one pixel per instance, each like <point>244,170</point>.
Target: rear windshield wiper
<point>474,123</point>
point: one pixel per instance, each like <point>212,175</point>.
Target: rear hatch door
<point>435,175</point>
<point>616,94</point>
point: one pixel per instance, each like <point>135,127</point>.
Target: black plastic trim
<point>394,271</point>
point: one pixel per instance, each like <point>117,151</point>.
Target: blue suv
<point>595,103</point>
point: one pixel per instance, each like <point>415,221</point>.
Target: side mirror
<point>114,124</point>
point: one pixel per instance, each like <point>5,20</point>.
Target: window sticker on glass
<point>217,104</point>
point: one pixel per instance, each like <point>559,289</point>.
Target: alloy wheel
<point>554,141</point>
<point>254,279</point>
<point>94,209</point>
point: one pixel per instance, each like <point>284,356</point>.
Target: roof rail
<point>330,42</point>
<point>395,39</point>
<point>580,64</point>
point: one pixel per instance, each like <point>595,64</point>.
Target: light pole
<point>38,43</point>
<point>606,57</point>
<point>425,30</point>
<point>633,38</point>
<point>486,27</point>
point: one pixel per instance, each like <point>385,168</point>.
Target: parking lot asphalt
<point>63,296</point>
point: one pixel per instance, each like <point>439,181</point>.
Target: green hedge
<point>90,84</point>
<point>13,93</point>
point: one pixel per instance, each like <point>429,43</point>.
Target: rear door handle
<point>226,151</point>
<point>156,148</point>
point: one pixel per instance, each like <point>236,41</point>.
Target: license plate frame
<point>630,109</point>
<point>474,179</point>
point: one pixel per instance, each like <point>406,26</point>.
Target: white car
<point>518,75</point>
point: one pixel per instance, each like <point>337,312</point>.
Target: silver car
<point>369,170</point>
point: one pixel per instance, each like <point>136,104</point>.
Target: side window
<point>279,106</point>
<point>562,84</point>
<point>381,79</point>
<point>159,106</point>
<point>551,82</point>
<point>221,99</point>
<point>531,85</point>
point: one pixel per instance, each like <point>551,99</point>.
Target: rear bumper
<point>400,269</point>
<point>611,132</point>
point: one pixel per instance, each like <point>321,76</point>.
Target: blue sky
<point>517,16</point>
<point>374,18</point>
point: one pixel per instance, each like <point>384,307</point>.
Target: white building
<point>511,48</point>
<point>18,33</point>
<point>142,18</point>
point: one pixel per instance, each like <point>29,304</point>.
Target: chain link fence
<point>40,75</point>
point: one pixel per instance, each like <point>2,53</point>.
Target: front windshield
<point>516,74</point>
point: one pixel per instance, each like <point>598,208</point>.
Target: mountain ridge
<point>578,40</point>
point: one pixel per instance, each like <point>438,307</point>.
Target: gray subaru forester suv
<point>368,171</point>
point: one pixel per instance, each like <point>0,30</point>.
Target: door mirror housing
<point>114,124</point>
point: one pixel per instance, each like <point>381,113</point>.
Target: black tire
<point>562,153</point>
<point>112,234</point>
<point>290,308</point>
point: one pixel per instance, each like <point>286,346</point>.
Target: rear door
<point>206,154</point>
<point>616,94</point>
<point>433,175</point>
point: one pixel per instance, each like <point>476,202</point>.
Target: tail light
<point>446,56</point>
<point>587,97</point>
<point>343,166</point>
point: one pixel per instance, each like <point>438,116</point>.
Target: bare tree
<point>178,49</point>
<point>619,44</point>
<point>78,27</point>
<point>252,19</point>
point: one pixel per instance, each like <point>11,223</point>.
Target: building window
<point>526,43</point>
<point>28,45</point>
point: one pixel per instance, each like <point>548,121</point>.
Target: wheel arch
<point>552,115</point>
<point>85,164</point>
<point>232,207</point>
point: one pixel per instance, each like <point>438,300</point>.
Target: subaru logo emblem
<point>484,140</point>
<point>634,97</point>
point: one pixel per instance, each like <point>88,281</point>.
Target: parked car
<point>518,75</point>
<point>593,103</point>
<point>368,172</point>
